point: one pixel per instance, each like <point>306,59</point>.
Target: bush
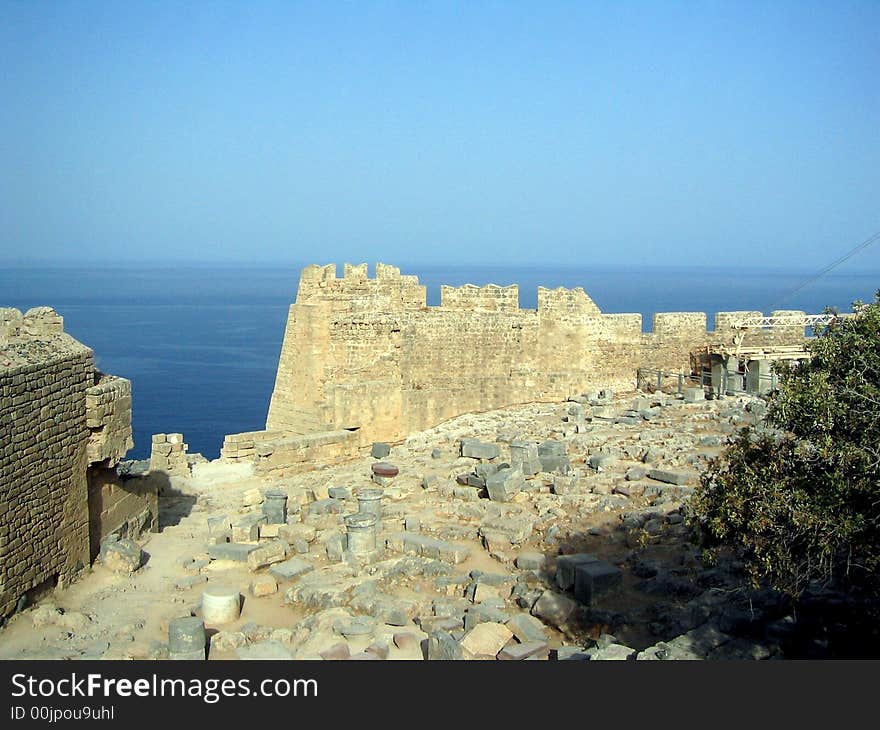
<point>798,497</point>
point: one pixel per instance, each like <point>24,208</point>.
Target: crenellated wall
<point>369,354</point>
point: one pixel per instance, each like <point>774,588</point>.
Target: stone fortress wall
<point>367,356</point>
<point>64,427</point>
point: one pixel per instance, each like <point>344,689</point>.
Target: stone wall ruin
<point>369,356</point>
<point>64,428</point>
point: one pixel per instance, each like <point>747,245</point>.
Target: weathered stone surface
<point>247,528</point>
<point>672,477</point>
<point>290,569</point>
<point>527,628</point>
<point>121,556</point>
<point>530,561</point>
<point>486,639</point>
<point>227,640</point>
<point>264,585</point>
<point>336,652</point>
<point>267,553</point>
<point>505,484</point>
<point>554,608</point>
<point>613,652</point>
<point>231,551</point>
<point>600,462</point>
<point>429,547</point>
<point>516,529</point>
<point>263,650</point>
<point>441,646</point>
<point>526,650</point>
<point>475,449</point>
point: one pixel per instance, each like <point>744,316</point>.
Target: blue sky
<point>509,133</point>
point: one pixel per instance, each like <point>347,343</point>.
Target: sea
<point>200,343</point>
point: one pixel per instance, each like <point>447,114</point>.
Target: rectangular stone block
<point>591,579</point>
<point>231,551</point>
<point>565,568</point>
<point>694,395</point>
<point>505,484</point>
<point>476,449</point>
<point>267,553</point>
<point>672,477</point>
<point>290,569</point>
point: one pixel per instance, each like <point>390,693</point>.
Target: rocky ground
<point>579,550</point>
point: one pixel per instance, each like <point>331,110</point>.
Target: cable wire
<point>863,245</point>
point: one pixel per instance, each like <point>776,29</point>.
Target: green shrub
<point>798,497</point>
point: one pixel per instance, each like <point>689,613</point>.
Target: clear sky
<point>476,132</point>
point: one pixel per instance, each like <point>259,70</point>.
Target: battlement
<point>489,298</point>
<point>366,354</point>
<point>388,289</point>
<point>680,324</point>
<point>562,302</point>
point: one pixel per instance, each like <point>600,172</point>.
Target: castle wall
<point>44,518</point>
<point>58,416</point>
<point>368,354</point>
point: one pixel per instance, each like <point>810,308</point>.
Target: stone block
<point>326,507</point>
<point>672,477</point>
<point>237,552</point>
<point>267,554</point>
<point>121,556</point>
<point>263,585</point>
<point>290,569</point>
<point>527,628</point>
<point>551,448</point>
<point>591,579</point>
<point>380,450</point>
<point>441,646</point>
<point>566,484</point>
<point>530,561</point>
<point>247,528</point>
<point>475,449</point>
<point>486,639</point>
<point>551,463</point>
<point>613,652</point>
<point>601,462</point>
<point>694,395</point>
<point>527,650</point>
<point>505,484</point>
<point>554,608</point>
<point>565,568</point>
<point>516,529</point>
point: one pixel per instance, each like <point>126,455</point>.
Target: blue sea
<point>201,343</point>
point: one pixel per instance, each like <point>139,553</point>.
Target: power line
<point>863,245</point>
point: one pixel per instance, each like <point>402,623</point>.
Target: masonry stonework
<point>369,356</point>
<point>64,427</point>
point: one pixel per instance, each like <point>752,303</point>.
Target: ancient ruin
<point>466,481</point>
<point>365,359</point>
<point>65,428</point>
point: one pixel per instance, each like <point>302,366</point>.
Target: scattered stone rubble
<point>553,531</point>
